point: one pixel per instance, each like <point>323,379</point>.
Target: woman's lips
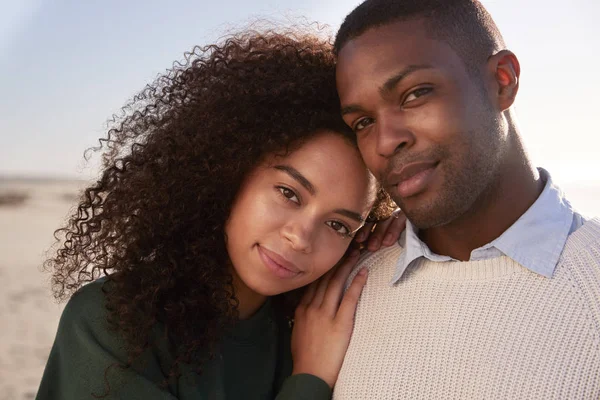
<point>278,265</point>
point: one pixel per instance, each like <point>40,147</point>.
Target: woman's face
<point>295,216</point>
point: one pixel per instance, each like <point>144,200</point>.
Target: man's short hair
<point>464,24</point>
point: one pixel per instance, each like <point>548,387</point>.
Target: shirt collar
<point>535,240</point>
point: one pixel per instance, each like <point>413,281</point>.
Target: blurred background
<point>67,66</point>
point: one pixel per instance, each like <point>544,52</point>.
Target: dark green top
<point>254,361</point>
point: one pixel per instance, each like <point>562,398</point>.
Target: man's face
<point>425,126</point>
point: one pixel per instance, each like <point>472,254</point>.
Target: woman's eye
<point>362,123</point>
<point>339,227</point>
<point>288,194</point>
<point>415,94</point>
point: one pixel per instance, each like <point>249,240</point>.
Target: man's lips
<point>412,178</point>
<point>278,264</point>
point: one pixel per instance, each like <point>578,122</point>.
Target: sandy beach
<point>28,313</point>
<point>30,210</point>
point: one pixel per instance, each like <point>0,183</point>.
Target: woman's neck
<point>249,301</point>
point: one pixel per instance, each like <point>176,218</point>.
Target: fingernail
<point>361,236</point>
<point>389,239</point>
<point>363,271</point>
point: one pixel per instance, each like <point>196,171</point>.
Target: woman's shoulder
<point>88,302</point>
<point>88,353</point>
<point>86,316</point>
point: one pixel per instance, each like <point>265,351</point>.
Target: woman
<point>228,185</point>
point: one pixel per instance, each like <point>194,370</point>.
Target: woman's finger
<point>335,289</point>
<point>388,231</point>
<point>349,303</point>
<point>309,294</point>
<point>394,229</point>
<point>378,233</point>
<point>363,233</point>
<point>321,288</point>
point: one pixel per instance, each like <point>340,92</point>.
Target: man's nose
<point>392,135</point>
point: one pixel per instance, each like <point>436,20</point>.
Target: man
<point>494,288</point>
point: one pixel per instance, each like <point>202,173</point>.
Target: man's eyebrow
<point>391,83</point>
<point>387,87</point>
<point>350,214</point>
<point>351,109</point>
<point>296,175</point>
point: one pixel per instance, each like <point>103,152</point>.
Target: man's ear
<point>504,71</point>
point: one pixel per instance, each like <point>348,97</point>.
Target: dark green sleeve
<point>304,387</point>
<point>83,350</point>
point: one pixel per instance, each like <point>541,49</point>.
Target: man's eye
<point>415,94</point>
<point>362,123</point>
<point>339,227</point>
<point>288,194</point>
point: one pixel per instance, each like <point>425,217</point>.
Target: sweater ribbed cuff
<point>304,387</point>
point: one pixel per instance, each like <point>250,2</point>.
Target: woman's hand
<point>324,320</point>
<point>386,232</point>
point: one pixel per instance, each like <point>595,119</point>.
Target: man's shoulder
<point>587,236</point>
<point>381,261</point>
<point>580,264</point>
<point>580,259</point>
<point>384,255</point>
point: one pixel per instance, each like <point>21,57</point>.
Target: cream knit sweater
<point>487,329</point>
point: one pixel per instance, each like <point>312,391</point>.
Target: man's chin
<point>427,216</point>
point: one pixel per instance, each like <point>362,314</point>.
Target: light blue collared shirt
<point>535,240</point>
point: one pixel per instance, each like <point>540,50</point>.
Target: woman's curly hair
<point>154,222</point>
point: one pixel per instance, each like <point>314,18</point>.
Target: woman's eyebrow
<point>301,179</point>
<point>350,214</point>
<point>297,176</point>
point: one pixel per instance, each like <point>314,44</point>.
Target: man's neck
<point>515,190</point>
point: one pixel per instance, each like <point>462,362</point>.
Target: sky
<point>67,66</point>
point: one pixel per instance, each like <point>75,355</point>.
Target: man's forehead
<point>386,46</point>
<point>386,50</point>
<point>391,34</point>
